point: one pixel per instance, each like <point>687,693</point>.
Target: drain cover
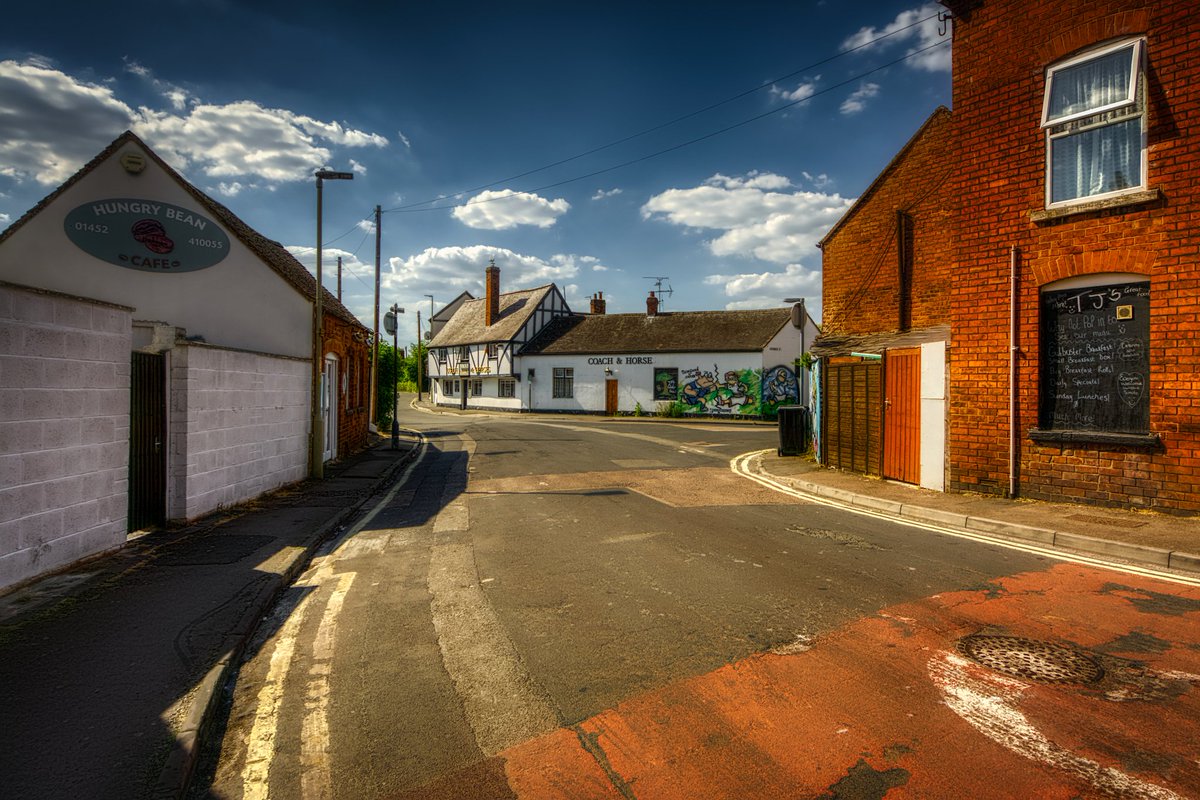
<point>1030,659</point>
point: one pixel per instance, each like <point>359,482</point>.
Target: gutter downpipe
<point>1013,354</point>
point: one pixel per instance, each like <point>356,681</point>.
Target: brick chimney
<point>491,309</point>
<point>652,306</point>
<point>598,303</point>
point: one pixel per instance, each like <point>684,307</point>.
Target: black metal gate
<point>147,441</point>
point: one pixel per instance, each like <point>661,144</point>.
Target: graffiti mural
<point>779,388</point>
<point>720,392</point>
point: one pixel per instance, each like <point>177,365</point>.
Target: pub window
<point>476,388</point>
<point>1095,366</point>
<point>564,382</point>
<point>1094,115</point>
<point>448,387</point>
<point>493,349</point>
<point>507,388</point>
<point>464,352</point>
<point>666,384</point>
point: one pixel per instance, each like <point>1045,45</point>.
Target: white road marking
<point>264,731</point>
<point>260,746</point>
<point>682,448</point>
<point>740,466</point>
<point>316,780</point>
<point>987,702</point>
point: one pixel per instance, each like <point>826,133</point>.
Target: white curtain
<point>1090,85</point>
<point>1097,161</point>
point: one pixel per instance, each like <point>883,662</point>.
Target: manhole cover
<point>1030,659</point>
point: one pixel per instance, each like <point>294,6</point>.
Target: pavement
<point>122,658</point>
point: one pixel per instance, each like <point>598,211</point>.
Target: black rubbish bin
<point>795,430</point>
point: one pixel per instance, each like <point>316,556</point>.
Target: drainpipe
<point>1013,353</point>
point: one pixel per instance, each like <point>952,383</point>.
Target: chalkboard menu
<point>1096,358</point>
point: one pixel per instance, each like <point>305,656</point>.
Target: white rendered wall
<point>64,430</point>
<point>933,416</point>
<point>635,382</point>
<point>240,302</point>
<point>238,427</point>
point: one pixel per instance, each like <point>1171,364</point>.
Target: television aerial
<point>659,280</point>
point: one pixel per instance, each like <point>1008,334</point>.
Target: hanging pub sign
<point>147,235</point>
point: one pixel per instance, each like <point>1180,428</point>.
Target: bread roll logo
<point>151,233</point>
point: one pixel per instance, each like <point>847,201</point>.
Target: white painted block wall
<point>238,427</point>
<point>64,430</point>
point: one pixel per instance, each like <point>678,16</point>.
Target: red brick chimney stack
<point>652,306</point>
<point>491,311</point>
<point>598,303</point>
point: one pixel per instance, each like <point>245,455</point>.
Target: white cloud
<point>505,209</point>
<point>768,288</point>
<point>919,35</point>
<point>357,167</point>
<point>229,189</point>
<point>4,218</point>
<point>754,217</point>
<point>404,139</point>
<point>857,101</point>
<point>54,123</point>
<point>601,194</point>
<point>802,92</point>
<point>366,225</point>
<point>447,271</point>
<point>818,181</point>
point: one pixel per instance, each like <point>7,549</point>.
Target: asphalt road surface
<point>582,608</point>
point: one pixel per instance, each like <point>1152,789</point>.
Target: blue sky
<point>450,102</point>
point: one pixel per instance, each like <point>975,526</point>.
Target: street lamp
<point>801,383</point>
<point>317,450</point>
<point>391,324</point>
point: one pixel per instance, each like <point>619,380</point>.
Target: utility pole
<point>419,355</point>
<point>392,321</point>
<point>339,279</point>
<point>375,345</point>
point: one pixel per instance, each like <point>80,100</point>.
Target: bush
<point>672,409</point>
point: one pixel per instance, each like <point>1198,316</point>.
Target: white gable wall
<point>240,302</point>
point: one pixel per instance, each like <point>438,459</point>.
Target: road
<point>580,608</point>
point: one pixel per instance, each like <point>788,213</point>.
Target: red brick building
<point>1077,250</point>
<point>887,264</point>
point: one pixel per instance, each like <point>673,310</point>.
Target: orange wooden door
<point>610,397</point>
<point>902,415</point>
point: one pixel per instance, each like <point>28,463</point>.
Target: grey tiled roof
<point>272,253</point>
<point>466,326</point>
<point>667,332</point>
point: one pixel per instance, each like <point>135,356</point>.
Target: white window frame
<point>507,388</point>
<point>476,387</point>
<point>1099,117</point>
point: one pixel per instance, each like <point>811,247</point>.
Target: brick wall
<point>64,430</point>
<point>238,426</point>
<point>861,286</point>
<point>1001,49</point>
<point>349,344</point>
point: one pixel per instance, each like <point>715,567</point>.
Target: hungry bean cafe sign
<point>147,235</point>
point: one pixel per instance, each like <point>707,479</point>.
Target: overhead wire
<point>679,146</point>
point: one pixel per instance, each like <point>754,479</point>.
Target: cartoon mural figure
<point>735,392</point>
<point>696,393</point>
<point>779,387</point>
<point>666,384</point>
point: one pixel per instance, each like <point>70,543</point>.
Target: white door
<point>329,384</point>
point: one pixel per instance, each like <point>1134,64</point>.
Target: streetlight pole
<point>418,355</point>
<point>391,323</point>
<point>317,444</point>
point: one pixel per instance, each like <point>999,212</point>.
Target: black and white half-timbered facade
<point>473,356</point>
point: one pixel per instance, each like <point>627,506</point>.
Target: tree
<point>385,375</point>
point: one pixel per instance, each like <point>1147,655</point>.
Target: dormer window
<point>1094,115</point>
